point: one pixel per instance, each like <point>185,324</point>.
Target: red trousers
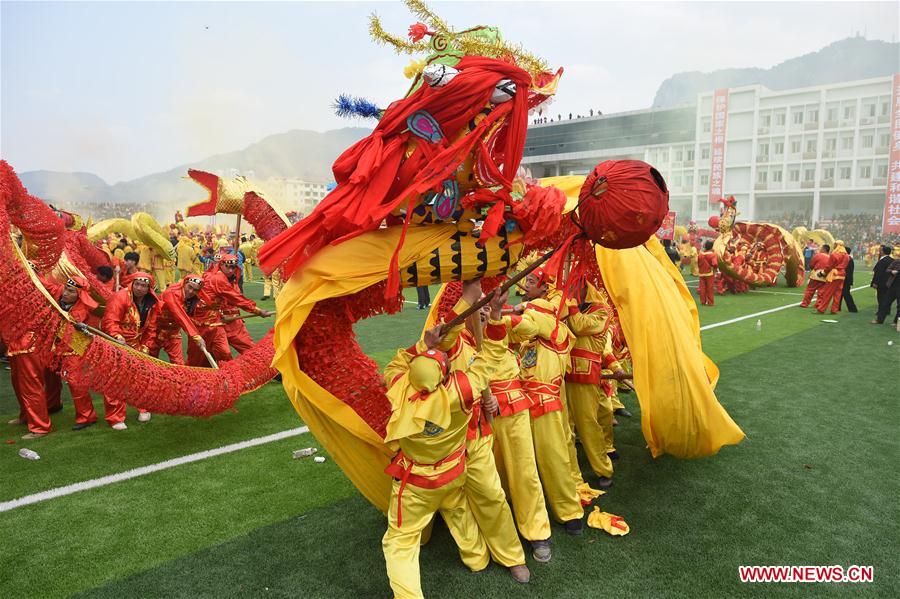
<point>811,289</point>
<point>216,343</point>
<point>707,297</point>
<point>173,347</point>
<point>27,373</point>
<point>238,336</point>
<point>81,398</point>
<point>830,293</point>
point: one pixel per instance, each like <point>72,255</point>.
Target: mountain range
<point>308,154</point>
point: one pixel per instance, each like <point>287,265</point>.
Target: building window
<point>676,180</point>
<point>779,148</point>
<point>704,153</point>
<point>679,155</point>
<point>846,143</point>
<point>776,176</point>
<point>865,172</point>
<point>868,141</point>
<point>797,118</point>
<point>883,140</point>
<point>779,119</point>
<point>795,147</point>
<point>881,171</point>
<point>845,172</point>
<point>869,110</point>
<point>689,155</point>
<point>664,156</point>
<point>761,176</point>
<point>832,114</point>
<point>812,116</point>
<point>794,175</point>
<point>810,145</point>
<point>707,126</point>
<point>849,112</point>
<point>704,179</point>
<point>885,108</point>
<point>809,174</point>
<point>828,173</point>
<point>689,181</point>
<point>831,144</point>
<point>765,121</point>
<point>763,149</point>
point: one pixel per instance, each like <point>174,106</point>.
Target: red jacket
<point>707,263</point>
<point>817,263</point>
<point>837,265</point>
<point>122,318</point>
<point>216,293</point>
<point>169,316</point>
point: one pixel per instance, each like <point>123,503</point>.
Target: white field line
<point>763,313</point>
<point>196,457</point>
<point>144,470</point>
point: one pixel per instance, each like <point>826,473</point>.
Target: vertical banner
<point>667,229</point>
<point>890,224</point>
<point>717,149</point>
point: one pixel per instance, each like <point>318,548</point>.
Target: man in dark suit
<point>848,284</point>
<point>879,280</point>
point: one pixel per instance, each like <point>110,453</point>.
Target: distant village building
<point>292,194</point>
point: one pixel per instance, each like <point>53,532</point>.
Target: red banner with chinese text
<point>667,229</point>
<point>717,148</point>
<point>890,224</point>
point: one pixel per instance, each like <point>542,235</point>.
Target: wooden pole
<point>237,236</point>
<point>501,290</point>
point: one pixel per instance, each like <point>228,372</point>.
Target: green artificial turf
<point>814,483</point>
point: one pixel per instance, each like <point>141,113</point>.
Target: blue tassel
<point>348,106</point>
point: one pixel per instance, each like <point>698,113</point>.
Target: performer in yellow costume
<point>430,410</point>
<point>247,249</point>
<point>272,285</point>
<point>186,256</point>
<point>588,397</point>
<point>483,488</point>
<point>544,353</point>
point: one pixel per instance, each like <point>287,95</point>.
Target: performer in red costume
<point>216,292</point>
<point>125,319</point>
<point>817,266</point>
<point>170,316</point>
<point>707,264</point>
<point>834,285</point>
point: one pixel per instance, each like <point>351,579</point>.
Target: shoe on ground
<point>264,298</point>
<point>119,426</point>
<point>613,455</point>
<point>875,322</point>
<point>540,551</point>
<point>574,527</point>
<point>55,410</point>
<point>604,482</point>
<point>144,416</point>
<point>15,421</point>
<point>34,435</point>
<point>520,573</point>
<point>622,412</point>
<point>83,425</point>
<point>615,422</point>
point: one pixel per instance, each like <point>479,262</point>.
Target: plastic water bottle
<point>29,454</point>
<point>304,453</point>
<point>319,459</point>
<point>758,324</point>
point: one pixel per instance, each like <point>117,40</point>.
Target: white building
<point>813,153</point>
<point>292,194</point>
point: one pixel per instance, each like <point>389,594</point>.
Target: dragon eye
<point>503,91</point>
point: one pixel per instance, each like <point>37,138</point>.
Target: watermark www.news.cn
<point>806,573</point>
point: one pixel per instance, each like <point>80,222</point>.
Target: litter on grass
<point>828,320</point>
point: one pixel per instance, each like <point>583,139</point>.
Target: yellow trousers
<point>272,285</point>
<point>552,437</point>
<point>248,271</point>
<point>616,403</point>
<point>515,445</point>
<point>488,503</point>
<point>401,544</point>
<point>586,404</point>
<point>161,276</point>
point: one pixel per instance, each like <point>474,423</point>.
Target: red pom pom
<point>623,203</point>
<point>418,31</point>
<point>714,221</point>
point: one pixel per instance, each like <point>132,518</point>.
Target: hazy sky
<point>125,89</point>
